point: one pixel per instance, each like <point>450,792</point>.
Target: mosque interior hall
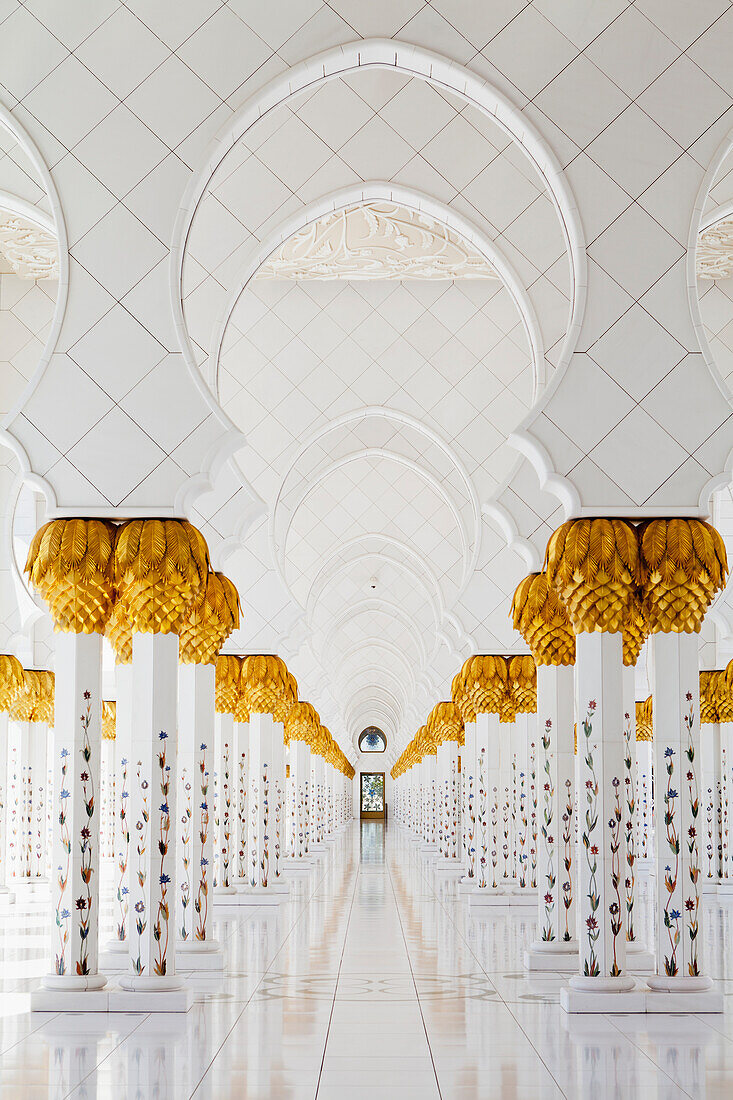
<point>366,533</point>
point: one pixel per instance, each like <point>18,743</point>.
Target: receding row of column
<point>607,586</point>
<point>175,790</point>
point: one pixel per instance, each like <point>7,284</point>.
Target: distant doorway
<point>372,796</point>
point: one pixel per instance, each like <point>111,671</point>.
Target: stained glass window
<point>372,740</point>
<point>372,792</point>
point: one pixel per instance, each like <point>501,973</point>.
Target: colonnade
<point>608,585</point>
<point>200,806</point>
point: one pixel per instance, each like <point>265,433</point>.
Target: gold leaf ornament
<point>226,683</point>
<point>210,620</point>
<point>445,723</point>
<point>720,694</point>
<point>593,565</point>
<point>160,568</point>
<point>708,697</point>
<point>302,722</point>
<point>27,697</point>
<point>11,680</point>
<point>635,631</point>
<point>45,702</point>
<point>486,683</point>
<point>118,632</point>
<point>109,720</point>
<point>523,683</point>
<point>645,720</point>
<point>70,565</point>
<point>267,687</point>
<point>683,565</point>
<point>539,616</point>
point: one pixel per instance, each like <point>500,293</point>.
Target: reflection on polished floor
<point>373,980</point>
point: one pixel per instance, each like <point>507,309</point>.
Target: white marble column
<point>317,801</point>
<point>556,947</point>
<point>75,864</point>
<point>448,798</point>
<point>195,945</point>
<point>116,949</point>
<point>645,804</point>
<point>726,802</point>
<point>225,748</point>
<point>37,793</point>
<point>300,778</point>
<point>152,867</point>
<point>601,768</point>
<point>505,738</point>
<point>5,893</point>
<point>265,744</point>
<point>638,957</point>
<point>429,800</point>
<point>488,810</point>
<point>525,725</point>
<point>710,778</point>
<point>468,807</point>
<point>680,828</point>
<point>18,849</point>
<point>240,815</point>
<point>278,798</point>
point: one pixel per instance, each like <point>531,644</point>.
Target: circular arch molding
<point>435,69</point>
<point>10,123</point>
<point>698,223</point>
<point>411,199</point>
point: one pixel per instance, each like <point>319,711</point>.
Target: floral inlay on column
<point>591,966</point>
<point>62,910</point>
<point>122,857</point>
<point>142,827</point>
<point>201,904</point>
<point>630,812</point>
<point>86,870</point>
<point>547,832</point>
<point>184,886</point>
<point>692,903</point>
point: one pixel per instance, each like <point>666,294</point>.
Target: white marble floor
<point>372,981</point>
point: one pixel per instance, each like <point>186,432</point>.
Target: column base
<point>466,885</point>
<point>725,889</point>
<point>710,885</point>
<point>298,867</point>
<point>557,955</point>
<point>199,955</point>
<point>523,896</point>
<point>276,894</point>
<point>224,891</point>
<point>445,866</point>
<point>72,1000</point>
<point>141,1000</point>
<point>496,896</point>
<point>7,897</point>
<point>74,983</point>
<point>598,995</point>
<point>146,983</point>
<point>685,994</point>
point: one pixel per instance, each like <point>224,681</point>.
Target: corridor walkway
<point>373,981</point>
